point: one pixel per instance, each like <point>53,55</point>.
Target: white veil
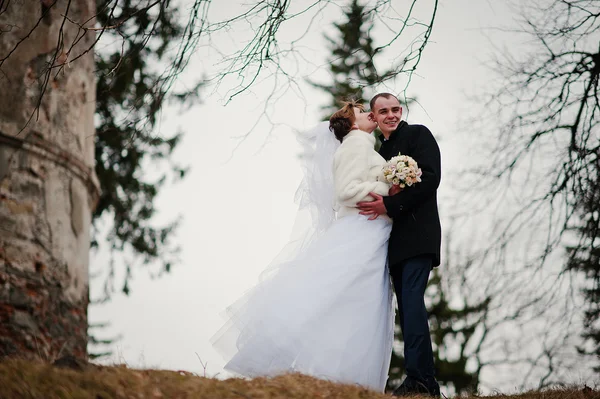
<point>316,211</point>
<point>316,192</point>
<point>315,195</point>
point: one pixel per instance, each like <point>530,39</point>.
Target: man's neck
<point>386,135</point>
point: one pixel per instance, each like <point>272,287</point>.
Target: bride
<point>325,309</point>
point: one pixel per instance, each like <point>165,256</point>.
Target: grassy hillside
<point>22,379</point>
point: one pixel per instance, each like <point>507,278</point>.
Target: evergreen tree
<point>584,258</point>
<point>453,329</point>
<point>133,85</point>
<point>353,72</point>
<point>351,65</point>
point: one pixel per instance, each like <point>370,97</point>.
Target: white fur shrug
<point>356,167</point>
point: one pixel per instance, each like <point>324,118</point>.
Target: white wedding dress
<point>325,309</point>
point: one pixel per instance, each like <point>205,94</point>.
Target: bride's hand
<point>395,189</point>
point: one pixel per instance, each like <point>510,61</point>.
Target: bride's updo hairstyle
<point>341,121</point>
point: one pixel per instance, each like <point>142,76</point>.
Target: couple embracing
<point>327,309</point>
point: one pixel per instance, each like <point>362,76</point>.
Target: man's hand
<point>372,208</point>
<point>395,189</point>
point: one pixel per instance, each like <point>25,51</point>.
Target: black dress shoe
<point>411,386</point>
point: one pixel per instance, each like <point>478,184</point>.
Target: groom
<point>414,246</point>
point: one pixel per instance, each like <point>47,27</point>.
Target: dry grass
<point>23,379</point>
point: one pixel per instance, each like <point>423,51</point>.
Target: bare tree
<point>537,177</point>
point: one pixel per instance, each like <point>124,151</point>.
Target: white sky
<point>238,212</point>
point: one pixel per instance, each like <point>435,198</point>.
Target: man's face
<point>387,112</point>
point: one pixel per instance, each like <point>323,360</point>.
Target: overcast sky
<point>238,208</point>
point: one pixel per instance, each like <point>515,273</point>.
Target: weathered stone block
<point>79,208</point>
<point>24,320</point>
<point>18,298</point>
<point>4,288</point>
<point>4,157</point>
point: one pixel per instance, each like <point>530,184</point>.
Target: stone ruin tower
<point>48,188</point>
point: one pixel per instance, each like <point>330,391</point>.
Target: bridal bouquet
<point>402,171</point>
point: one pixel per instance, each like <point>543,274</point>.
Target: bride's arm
<point>351,174</point>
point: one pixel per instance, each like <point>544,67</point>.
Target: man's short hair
<point>384,95</point>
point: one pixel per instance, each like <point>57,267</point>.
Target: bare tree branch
<point>542,163</point>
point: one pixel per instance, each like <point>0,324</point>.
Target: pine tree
<point>353,73</point>
<point>351,65</point>
<point>452,328</point>
<point>133,86</point>
<point>584,258</point>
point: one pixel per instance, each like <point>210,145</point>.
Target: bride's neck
<point>355,127</point>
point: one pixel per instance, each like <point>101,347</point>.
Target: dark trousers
<point>410,280</point>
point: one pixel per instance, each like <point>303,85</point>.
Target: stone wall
<point>47,185</point>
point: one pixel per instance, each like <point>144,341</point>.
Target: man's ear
<point>371,117</point>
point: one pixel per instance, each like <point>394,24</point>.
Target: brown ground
<point>26,379</point>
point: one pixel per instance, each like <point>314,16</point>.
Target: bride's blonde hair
<point>342,120</point>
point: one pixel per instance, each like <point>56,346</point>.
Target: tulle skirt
<point>326,312</point>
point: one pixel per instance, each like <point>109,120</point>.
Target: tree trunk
<point>48,188</point>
